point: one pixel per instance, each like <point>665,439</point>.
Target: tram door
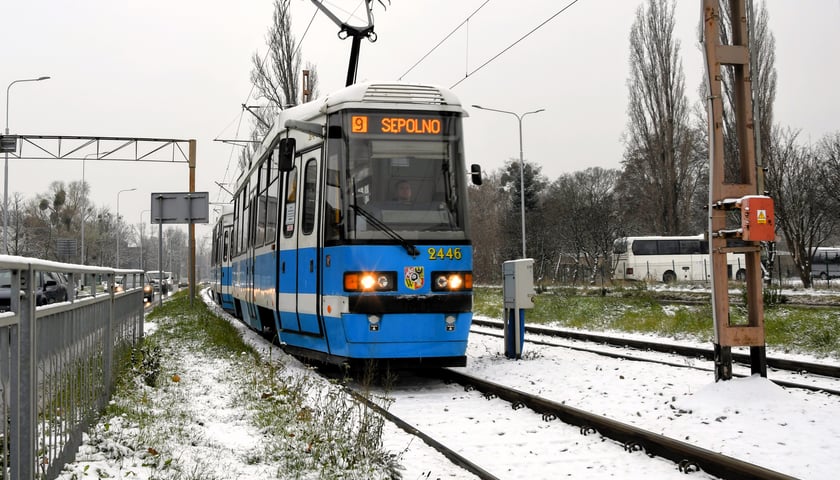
<point>308,245</point>
<point>250,292</point>
<point>298,259</point>
<point>287,259</point>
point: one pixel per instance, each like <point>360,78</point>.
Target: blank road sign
<point>180,207</point>
<point>8,143</point>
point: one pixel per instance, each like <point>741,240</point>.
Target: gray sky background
<point>165,69</point>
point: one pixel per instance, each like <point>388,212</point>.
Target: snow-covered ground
<point>788,430</point>
<point>791,431</point>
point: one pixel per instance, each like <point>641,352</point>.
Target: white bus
<point>825,263</point>
<point>670,259</point>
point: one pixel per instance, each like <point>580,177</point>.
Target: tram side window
<point>218,246</point>
<point>246,229</point>
<point>225,247</point>
<point>334,215</point>
<point>291,199</point>
<point>245,223</point>
<point>236,239</point>
<point>332,194</point>
<point>246,226</point>
<point>259,233</point>
<point>309,181</point>
<point>271,198</point>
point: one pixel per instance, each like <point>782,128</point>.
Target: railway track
<point>686,457</point>
<point>635,449</point>
<point>683,350</point>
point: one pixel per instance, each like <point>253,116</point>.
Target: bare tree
<point>828,152</point>
<point>278,79</point>
<point>582,215</point>
<point>662,164</point>
<point>802,213</point>
<point>17,219</point>
<point>488,206</point>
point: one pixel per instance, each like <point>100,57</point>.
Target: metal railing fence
<point>58,362</point>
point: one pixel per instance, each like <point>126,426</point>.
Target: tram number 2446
<point>440,253</point>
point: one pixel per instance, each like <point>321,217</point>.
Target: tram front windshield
<point>407,172</point>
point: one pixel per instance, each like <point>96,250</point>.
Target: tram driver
<point>403,192</point>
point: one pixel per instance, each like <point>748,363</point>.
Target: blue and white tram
<point>329,258</point>
<point>221,260</point>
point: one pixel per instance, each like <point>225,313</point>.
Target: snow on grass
<point>194,410</point>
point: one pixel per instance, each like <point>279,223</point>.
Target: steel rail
<point>688,457</point>
<point>447,452</point>
<point>708,354</point>
<point>781,383</point>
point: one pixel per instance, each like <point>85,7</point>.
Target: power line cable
<point>311,20</point>
<point>445,38</point>
<point>514,43</point>
<point>345,11</point>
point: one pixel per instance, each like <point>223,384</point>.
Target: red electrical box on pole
<point>757,221</point>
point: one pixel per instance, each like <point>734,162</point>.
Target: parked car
<point>119,284</point>
<point>148,289</point>
<point>155,280</point>
<point>51,287</point>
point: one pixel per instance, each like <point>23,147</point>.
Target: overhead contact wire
<point>445,38</point>
<point>514,43</point>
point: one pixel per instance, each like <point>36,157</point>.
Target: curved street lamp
<point>6,166</point>
<point>521,164</point>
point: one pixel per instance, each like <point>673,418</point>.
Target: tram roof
<point>374,95</point>
<point>386,94</point>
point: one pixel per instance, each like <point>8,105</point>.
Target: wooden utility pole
<point>306,93</point>
<point>756,223</point>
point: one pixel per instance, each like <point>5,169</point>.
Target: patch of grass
<point>308,428</point>
<point>203,327</point>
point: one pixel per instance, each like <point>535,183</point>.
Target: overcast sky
<point>165,69</point>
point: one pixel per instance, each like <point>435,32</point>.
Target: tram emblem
<point>414,277</point>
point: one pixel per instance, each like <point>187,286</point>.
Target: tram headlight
<point>370,281</point>
<point>451,281</point>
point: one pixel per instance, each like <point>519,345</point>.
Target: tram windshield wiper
<point>380,225</point>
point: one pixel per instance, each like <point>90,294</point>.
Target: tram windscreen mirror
<point>476,174</point>
<point>287,154</point>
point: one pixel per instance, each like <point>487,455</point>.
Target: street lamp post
<point>141,237</point>
<point>521,165</point>
<point>118,222</point>
<point>6,166</point>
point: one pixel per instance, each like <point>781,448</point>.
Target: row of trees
<point>48,226</point>
<point>572,221</point>
<point>662,187</point>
